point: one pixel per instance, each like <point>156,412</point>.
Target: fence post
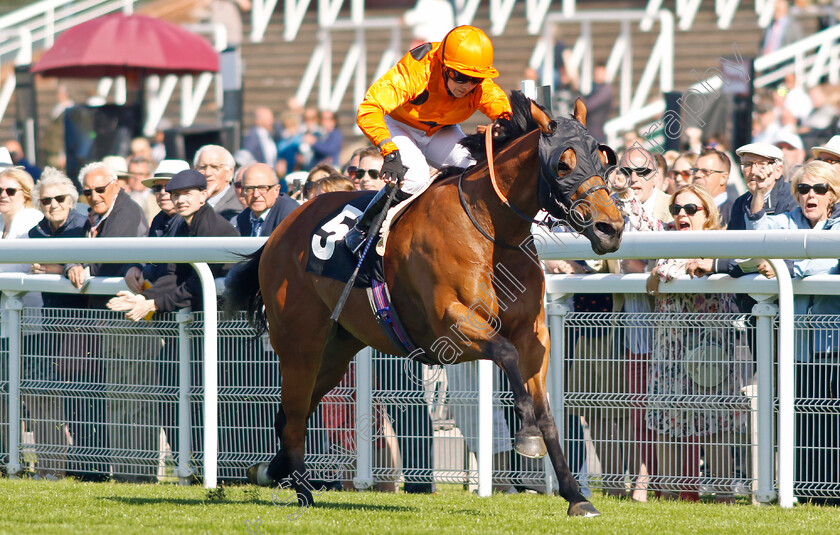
<point>365,420</point>
<point>556,309</point>
<point>764,313</point>
<point>787,389</point>
<point>13,308</point>
<point>485,428</point>
<point>184,470</point>
<point>211,374</point>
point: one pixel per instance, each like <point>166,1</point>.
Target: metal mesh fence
<point>817,407</point>
<point>99,397</point>
<point>672,418</point>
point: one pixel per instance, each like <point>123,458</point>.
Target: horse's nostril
<point>605,229</point>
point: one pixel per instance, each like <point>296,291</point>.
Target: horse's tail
<point>242,291</point>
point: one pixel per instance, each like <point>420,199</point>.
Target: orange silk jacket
<point>413,92</point>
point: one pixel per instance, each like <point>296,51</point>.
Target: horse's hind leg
<point>334,359</point>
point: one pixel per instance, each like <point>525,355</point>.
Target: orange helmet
<point>468,50</point>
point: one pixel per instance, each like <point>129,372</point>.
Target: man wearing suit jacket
<point>216,164</point>
<point>267,207</point>
<point>124,423</point>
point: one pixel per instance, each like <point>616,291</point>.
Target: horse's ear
<point>547,124</point>
<point>580,112</point>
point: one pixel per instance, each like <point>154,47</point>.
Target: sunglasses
<point>461,78</point>
<point>100,190</point>
<point>829,159</point>
<point>643,172</point>
<point>684,173</point>
<point>157,188</point>
<point>46,201</point>
<point>351,170</point>
<point>819,189</point>
<point>690,209</point>
<point>372,173</point>
<point>9,191</point>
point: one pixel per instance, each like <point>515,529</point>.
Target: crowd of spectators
<point>789,177</point>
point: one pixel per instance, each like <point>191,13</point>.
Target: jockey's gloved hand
<point>393,169</point>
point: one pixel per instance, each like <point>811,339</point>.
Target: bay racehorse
<point>452,248</point>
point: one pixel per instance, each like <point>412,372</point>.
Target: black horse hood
<point>555,194</point>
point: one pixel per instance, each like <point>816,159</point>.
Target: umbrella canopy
<point>119,44</point>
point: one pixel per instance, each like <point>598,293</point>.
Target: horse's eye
<point>563,167</point>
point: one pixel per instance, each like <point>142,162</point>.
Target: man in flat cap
<point>180,287</point>
<point>763,167</point>
<point>177,285</point>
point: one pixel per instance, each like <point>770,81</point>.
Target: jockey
<point>412,114</point>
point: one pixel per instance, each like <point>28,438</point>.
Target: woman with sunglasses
<point>672,373</point>
<point>815,187</point>
<point>56,196</point>
<point>18,216</point>
<point>412,113</point>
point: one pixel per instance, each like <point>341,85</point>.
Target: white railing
<point>355,63</point>
<point>294,13</point>
<point>660,64</point>
<point>47,18</point>
<point>34,27</point>
<point>710,244</point>
<point>811,58</point>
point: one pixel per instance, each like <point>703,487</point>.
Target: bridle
<point>488,144</point>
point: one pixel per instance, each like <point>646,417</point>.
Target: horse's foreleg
<point>484,342</point>
<point>529,440</point>
<point>566,481</point>
<point>535,369</point>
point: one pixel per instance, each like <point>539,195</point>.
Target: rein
<point>502,197</point>
<point>488,150</point>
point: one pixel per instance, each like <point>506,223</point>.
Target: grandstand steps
<point>273,68</point>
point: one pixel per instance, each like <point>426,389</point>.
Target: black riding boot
<point>355,237</point>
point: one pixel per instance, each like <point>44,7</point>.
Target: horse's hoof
<point>258,475</point>
<point>532,447</point>
<point>584,509</point>
<point>304,496</point>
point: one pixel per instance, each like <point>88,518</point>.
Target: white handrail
<point>824,61</point>
<point>660,63</point>
<point>45,19</point>
<point>811,59</point>
<point>355,61</point>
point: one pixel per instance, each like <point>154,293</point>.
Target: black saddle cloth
<point>329,257</point>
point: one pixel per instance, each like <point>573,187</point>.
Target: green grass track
<point>35,507</point>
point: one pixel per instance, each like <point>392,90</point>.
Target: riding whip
<point>373,235</point>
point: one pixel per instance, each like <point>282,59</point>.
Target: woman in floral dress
<point>690,362</point>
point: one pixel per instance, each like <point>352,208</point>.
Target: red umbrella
<point>119,44</point>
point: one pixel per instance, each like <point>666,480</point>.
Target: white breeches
<point>419,152</point>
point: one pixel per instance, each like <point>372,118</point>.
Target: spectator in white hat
<point>763,168</point>
<point>793,150</point>
<point>829,153</point>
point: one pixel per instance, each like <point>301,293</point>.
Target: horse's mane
<point>519,124</point>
